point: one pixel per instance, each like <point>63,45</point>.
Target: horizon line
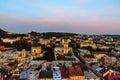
<point>59,32</point>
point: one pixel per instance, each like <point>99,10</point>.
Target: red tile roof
<point>75,70</point>
<point>113,76</point>
<point>2,47</point>
<point>64,73</point>
<point>60,57</point>
<point>101,52</point>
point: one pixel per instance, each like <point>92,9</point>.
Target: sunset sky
<point>76,16</point>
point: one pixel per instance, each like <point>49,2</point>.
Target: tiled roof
<point>46,74</point>
<point>60,57</point>
<point>64,72</point>
<point>113,76</point>
<point>3,70</point>
<point>16,78</point>
<point>88,56</point>
<point>75,71</point>
<point>101,52</point>
<point>89,74</point>
<point>22,79</point>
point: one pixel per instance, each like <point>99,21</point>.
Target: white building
<point>8,40</point>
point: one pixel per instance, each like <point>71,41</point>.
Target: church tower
<point>36,51</point>
<point>23,53</point>
<point>65,46</point>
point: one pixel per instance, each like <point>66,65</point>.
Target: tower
<point>23,53</point>
<point>65,46</point>
<point>36,51</point>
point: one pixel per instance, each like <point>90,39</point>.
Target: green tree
<point>1,42</point>
<point>70,53</point>
<point>22,44</point>
<point>7,44</point>
<point>74,44</point>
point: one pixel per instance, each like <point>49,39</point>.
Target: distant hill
<point>57,34</point>
<point>2,33</point>
<point>113,36</point>
<point>6,34</point>
<point>46,35</point>
<point>51,34</point>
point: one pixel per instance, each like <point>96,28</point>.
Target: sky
<point>74,16</point>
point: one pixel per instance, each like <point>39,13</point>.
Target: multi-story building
<point>36,52</point>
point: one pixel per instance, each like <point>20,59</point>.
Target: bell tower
<point>36,51</point>
<point>65,45</point>
<point>23,53</point>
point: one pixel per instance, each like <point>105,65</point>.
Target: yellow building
<point>104,47</point>
<point>109,60</point>
<point>36,52</point>
<point>65,48</point>
<point>23,53</point>
<point>88,42</point>
<point>65,45</point>
<point>83,44</point>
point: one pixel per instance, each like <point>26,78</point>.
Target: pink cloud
<point>94,23</point>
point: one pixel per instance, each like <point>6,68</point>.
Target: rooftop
<point>89,74</point>
<point>46,74</point>
<point>101,52</point>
